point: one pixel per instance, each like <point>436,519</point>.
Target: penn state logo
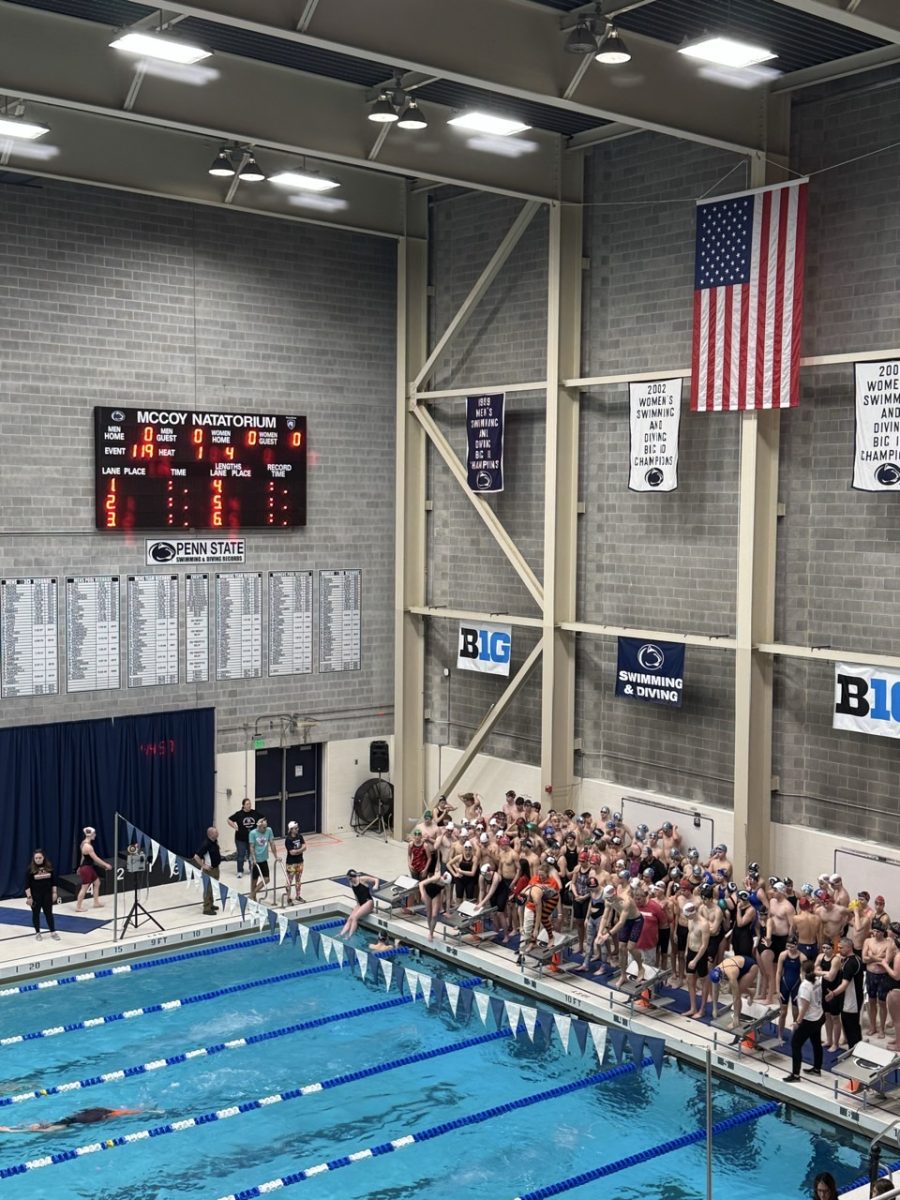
<point>654,477</point>
<point>117,415</point>
<point>483,480</point>
<point>651,657</point>
<point>291,422</point>
<point>162,552</point>
<point>888,475</point>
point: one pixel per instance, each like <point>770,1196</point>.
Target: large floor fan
<point>373,808</point>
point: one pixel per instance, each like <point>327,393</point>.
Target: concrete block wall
<point>117,299</point>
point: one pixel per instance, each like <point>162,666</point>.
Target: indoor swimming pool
<point>256,1067</point>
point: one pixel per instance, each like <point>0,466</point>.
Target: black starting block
<point>396,894</point>
<point>645,993</point>
<point>541,955</point>
<point>753,1017</point>
<point>466,917</point>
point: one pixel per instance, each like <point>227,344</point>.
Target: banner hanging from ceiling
<point>484,647</point>
<point>655,424</point>
<point>650,671</point>
<point>876,458</point>
<point>866,699</point>
<point>484,431</point>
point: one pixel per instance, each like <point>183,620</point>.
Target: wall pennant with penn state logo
<point>650,671</point>
<point>876,458</point>
<point>655,425</point>
<point>484,432</point>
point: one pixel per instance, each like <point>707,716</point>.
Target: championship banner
<point>655,423</point>
<point>876,458</point>
<point>484,430</point>
<point>866,700</point>
<point>485,648</point>
<point>650,671</point>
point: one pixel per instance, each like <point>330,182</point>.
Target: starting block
<point>645,994</point>
<point>542,954</point>
<point>868,1067</point>
<point>396,894</point>
<point>464,921</point>
<point>753,1017</point>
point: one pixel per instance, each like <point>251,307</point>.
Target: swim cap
<point>483,838</point>
<point>715,974</point>
<point>89,831</point>
<point>447,877</point>
<point>609,890</point>
<point>486,869</point>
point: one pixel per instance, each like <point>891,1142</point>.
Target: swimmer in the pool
<point>85,1116</point>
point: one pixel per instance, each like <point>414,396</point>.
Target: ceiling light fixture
<point>412,117</point>
<point>159,45</point>
<point>481,122</point>
<point>612,51</point>
<point>726,52</point>
<point>583,38</point>
<point>15,127</point>
<point>383,111</point>
<point>222,164</point>
<point>251,171</point>
<point>304,180</point>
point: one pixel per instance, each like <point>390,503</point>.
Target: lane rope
<point>125,968</point>
<point>642,1156</point>
<point>434,1131</point>
<point>863,1180</point>
<point>200,997</point>
<point>224,1114</point>
<point>252,1039</point>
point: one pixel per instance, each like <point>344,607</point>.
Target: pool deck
<point>178,908</point>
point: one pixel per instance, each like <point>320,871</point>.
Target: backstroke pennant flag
<point>876,461</point>
<point>484,431</point>
<point>748,299</point>
<point>655,421</point>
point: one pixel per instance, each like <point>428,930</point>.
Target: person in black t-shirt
<point>40,892</point>
<point>243,822</point>
<point>294,849</point>
<point>850,988</point>
<point>208,857</point>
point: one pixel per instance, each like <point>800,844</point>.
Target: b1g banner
<point>655,423</point>
<point>866,699</point>
<point>650,671</point>
<point>484,428</point>
<point>484,648</point>
<point>876,462</point>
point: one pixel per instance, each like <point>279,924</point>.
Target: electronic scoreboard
<point>171,469</point>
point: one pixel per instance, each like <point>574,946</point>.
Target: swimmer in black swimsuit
<point>361,886</point>
<point>86,1116</point>
<point>431,891</point>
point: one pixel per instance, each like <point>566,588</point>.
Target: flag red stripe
<point>745,325</point>
<point>727,299</point>
<point>711,350</point>
<point>799,252</point>
<point>778,400</point>
<point>696,406</point>
<point>759,336</point>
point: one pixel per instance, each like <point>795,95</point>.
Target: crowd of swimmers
<point>636,897</point>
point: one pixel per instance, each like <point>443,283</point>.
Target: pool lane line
<point>167,960</point>
<point>433,1131</point>
<point>252,1039</point>
<point>166,1005</point>
<point>862,1180</point>
<point>224,1114</point>
<point>642,1156</point>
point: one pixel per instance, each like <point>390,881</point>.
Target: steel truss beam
<point>877,18</point>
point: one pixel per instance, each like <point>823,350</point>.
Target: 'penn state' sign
<point>650,671</point>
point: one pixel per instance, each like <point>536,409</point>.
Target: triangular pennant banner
<point>483,1004</point>
<point>233,902</point>
<point>327,946</point>
<point>617,1041</point>
<point>636,1046</point>
<point>265,918</point>
<point>176,867</point>
<point>243,901</point>
<point>372,969</point>
<point>452,996</point>
<point>154,850</point>
<point>163,858</point>
<point>130,831</point>
<point>387,970</point>
<point>657,1049</point>
<point>412,982</point>
<point>438,991</point>
<point>425,985</point>
<point>315,943</point>
<point>579,1028</point>
<point>295,931</point>
<point>363,961</point>
<point>529,1019</point>
<point>466,1002</point>
<point>563,1028</point>
<point>498,1011</point>
<point>544,1027</point>
<point>338,948</point>
<point>598,1033</point>
<point>512,1014</point>
<point>399,976</point>
<point>223,893</point>
<point>282,927</point>
<point>303,935</point>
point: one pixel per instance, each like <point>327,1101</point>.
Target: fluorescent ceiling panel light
<point>16,128</point>
<point>306,183</point>
<point>155,45</point>
<point>480,122</point>
<point>727,52</point>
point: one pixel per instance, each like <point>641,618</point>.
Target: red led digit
<point>148,433</point>
<point>252,437</point>
<point>229,453</point>
<point>197,437</point>
<point>296,439</point>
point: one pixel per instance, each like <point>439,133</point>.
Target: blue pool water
<point>507,1155</point>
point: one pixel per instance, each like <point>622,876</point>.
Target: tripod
<point>137,909</point>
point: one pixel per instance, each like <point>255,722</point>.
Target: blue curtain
<point>158,771</point>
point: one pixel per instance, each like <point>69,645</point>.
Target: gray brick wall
<point>113,299</point>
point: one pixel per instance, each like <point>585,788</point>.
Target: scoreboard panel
<point>173,469</point>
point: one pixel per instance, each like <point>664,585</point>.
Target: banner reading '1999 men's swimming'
<point>650,671</point>
<point>484,428</point>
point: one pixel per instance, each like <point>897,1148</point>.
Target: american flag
<point>748,300</point>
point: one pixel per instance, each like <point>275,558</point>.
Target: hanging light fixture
<point>251,172</point>
<point>612,50</point>
<point>383,111</point>
<point>412,117</point>
<point>583,38</point>
<point>222,165</point>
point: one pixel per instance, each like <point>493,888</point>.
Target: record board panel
<point>290,622</point>
<point>196,628</point>
<point>152,620</point>
<point>239,625</point>
<point>92,633</point>
<point>340,632</point>
<point>29,638</point>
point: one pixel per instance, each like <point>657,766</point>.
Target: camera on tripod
<point>135,859</point>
